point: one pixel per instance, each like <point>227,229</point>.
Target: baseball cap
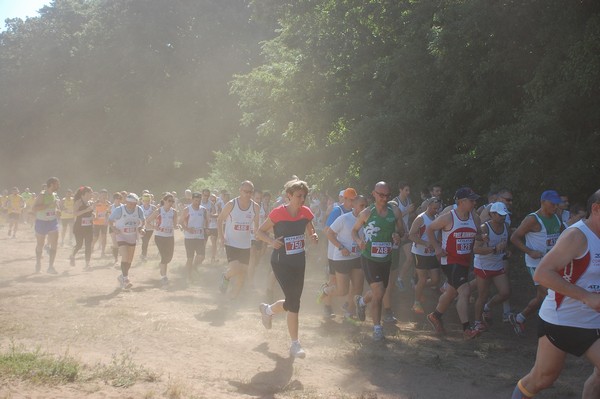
<point>499,208</point>
<point>196,195</point>
<point>550,195</point>
<point>341,194</point>
<point>132,197</point>
<point>349,193</point>
<point>465,192</point>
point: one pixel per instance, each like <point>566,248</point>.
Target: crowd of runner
<point>457,251</point>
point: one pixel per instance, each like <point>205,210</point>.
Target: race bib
<point>463,246</point>
<point>428,251</point>
<point>294,244</point>
<point>381,249</point>
<point>166,230</point>
<point>241,227</point>
<point>86,221</point>
<point>129,230</point>
<point>354,249</point>
<point>51,213</point>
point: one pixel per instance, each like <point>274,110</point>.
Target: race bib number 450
<point>381,249</point>
<point>294,244</point>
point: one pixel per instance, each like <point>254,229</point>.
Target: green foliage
<point>122,372</point>
<point>38,367</point>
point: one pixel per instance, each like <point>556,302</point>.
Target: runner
<point>426,263</point>
<point>46,223</point>
<point>15,204</point>
<point>118,198</point>
<point>407,207</point>
<point>536,235</point>
<point>166,221</point>
<point>458,227</point>
<point>290,223</point>
<point>346,258</point>
<point>382,227</point>
<point>127,222</point>
<point>148,207</point>
<point>101,212</point>
<point>257,247</point>
<point>209,201</point>
<point>490,253</point>
<point>344,206</point>
<point>66,217</point>
<point>238,218</point>
<point>570,314</point>
<point>194,221</point>
<point>83,227</point>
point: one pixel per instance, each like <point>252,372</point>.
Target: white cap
<point>499,208</point>
<point>341,194</point>
<point>132,197</point>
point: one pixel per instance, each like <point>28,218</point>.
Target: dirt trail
<point>203,346</point>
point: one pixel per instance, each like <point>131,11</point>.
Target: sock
<point>269,311</point>
<point>438,315</point>
<point>520,392</point>
<point>486,308</point>
<point>506,307</point>
<point>465,325</point>
<point>361,301</point>
<point>521,318</point>
<point>296,342</point>
<point>377,327</point>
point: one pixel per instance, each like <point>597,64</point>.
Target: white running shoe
<point>267,320</point>
<point>297,351</point>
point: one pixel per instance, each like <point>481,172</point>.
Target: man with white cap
<point>127,221</point>
<point>535,237</point>
<point>489,264</point>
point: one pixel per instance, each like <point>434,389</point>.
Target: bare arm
<point>263,234</point>
<point>360,221</point>
<point>221,219</point>
<point>529,224</point>
<point>438,224</point>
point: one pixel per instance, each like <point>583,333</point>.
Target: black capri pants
<point>166,246</point>
<point>289,272</point>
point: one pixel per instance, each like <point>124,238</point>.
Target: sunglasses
<point>383,195</point>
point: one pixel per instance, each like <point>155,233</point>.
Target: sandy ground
<point>202,345</point>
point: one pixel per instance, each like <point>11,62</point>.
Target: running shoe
<point>506,317</point>
<point>267,320</point>
<point>127,284</point>
<point>378,335</point>
<point>417,308</point>
<point>224,284</point>
<point>480,326</point>
<point>328,312</point>
<point>321,294</point>
<point>487,316</point>
<point>164,281</point>
<point>297,351</point>
<point>519,328</point>
<point>437,324</point>
<point>361,310</point>
<point>389,317</point>
<point>121,280</point>
<point>51,270</point>
<point>470,333</point>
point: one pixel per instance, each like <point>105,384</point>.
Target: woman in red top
<point>291,224</point>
